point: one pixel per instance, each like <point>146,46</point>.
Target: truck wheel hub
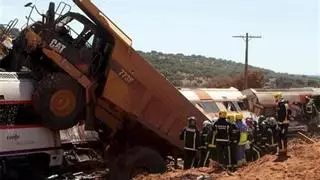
<point>63,103</point>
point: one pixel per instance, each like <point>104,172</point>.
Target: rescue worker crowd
<point>232,141</point>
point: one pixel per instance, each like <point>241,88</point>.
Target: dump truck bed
<point>148,97</point>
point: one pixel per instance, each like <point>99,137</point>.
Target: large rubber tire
<point>59,101</point>
<point>137,160</point>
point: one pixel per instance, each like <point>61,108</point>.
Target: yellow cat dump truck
<point>87,70</point>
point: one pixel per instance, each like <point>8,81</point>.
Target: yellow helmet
<point>239,116</point>
<point>222,114</point>
<point>230,117</point>
<point>277,95</point>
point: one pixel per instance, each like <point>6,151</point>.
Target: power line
<point>246,38</point>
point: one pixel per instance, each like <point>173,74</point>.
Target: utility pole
<point>246,38</point>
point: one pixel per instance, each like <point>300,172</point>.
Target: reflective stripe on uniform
<point>287,108</point>
<point>190,130</point>
<point>213,137</point>
<point>206,158</point>
<point>282,150</point>
<point>284,122</point>
<point>211,145</point>
<point>192,149</point>
<point>222,140</point>
<point>229,156</point>
<point>254,148</point>
<point>282,144</point>
<point>228,132</point>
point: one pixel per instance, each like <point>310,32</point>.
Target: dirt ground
<point>303,163</point>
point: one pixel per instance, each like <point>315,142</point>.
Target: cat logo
<point>57,46</point>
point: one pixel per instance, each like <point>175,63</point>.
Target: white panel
<point>14,89</point>
<point>190,95</point>
<point>15,139</point>
<point>231,94</point>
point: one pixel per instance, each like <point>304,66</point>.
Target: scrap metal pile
<point>303,163</point>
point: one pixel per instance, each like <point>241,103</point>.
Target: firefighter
<point>252,150</point>
<point>257,132</point>
<point>190,135</point>
<point>234,141</point>
<point>243,129</point>
<point>211,146</point>
<point>309,107</point>
<point>272,134</point>
<point>248,146</point>
<point>230,118</point>
<point>283,124</point>
<point>262,123</point>
<point>203,143</point>
<point>222,129</point>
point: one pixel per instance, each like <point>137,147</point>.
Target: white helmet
<point>206,123</point>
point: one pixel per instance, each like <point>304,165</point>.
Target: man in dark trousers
<point>264,136</point>
<point>211,147</point>
<point>203,142</point>
<point>283,124</point>
<point>234,141</point>
<point>222,129</point>
<point>253,152</point>
<point>272,135</point>
<point>309,107</point>
<point>243,138</point>
<point>190,135</point>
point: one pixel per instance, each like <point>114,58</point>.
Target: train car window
<point>229,106</point>
<point>209,106</point>
<point>236,106</point>
<point>242,106</point>
<point>221,106</point>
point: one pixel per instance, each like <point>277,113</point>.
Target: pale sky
<point>289,28</point>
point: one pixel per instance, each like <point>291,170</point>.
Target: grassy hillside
<point>200,71</point>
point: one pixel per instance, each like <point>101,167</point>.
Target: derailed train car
<point>211,100</point>
<point>262,102</point>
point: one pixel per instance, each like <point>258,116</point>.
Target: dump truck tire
<point>59,101</point>
<point>136,161</point>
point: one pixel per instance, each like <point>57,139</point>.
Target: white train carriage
<point>21,136</point>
